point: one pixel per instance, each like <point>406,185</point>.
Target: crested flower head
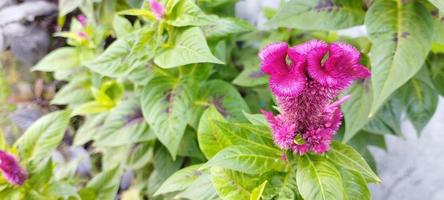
<point>82,19</point>
<point>157,8</point>
<point>306,80</point>
<point>11,169</point>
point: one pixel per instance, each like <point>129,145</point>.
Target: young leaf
<point>42,137</point>
<point>355,186</point>
<point>165,104</point>
<point>357,108</point>
<point>180,180</point>
<point>345,156</point>
<point>319,14</point>
<point>60,59</point>
<point>247,159</point>
<point>187,13</point>
<point>231,184</point>
<point>318,179</point>
<point>122,26</point>
<point>190,47</point>
<point>401,34</point>
<point>256,194</point>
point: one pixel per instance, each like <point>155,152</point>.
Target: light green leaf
<point>231,184</point>
<point>180,180</point>
<point>138,12</point>
<point>256,194</point>
<point>42,137</point>
<point>76,92</point>
<point>122,26</point>
<point>355,186</point>
<point>124,55</point>
<point>165,104</point>
<point>200,189</point>
<point>247,159</point>
<point>319,14</point>
<point>318,179</point>
<point>251,76</point>
<point>141,154</point>
<point>88,130</point>
<point>64,58</point>
<point>190,47</point>
<point>187,13</point>
<point>345,156</point>
<point>92,107</point>
<point>210,137</point>
<point>223,27</point>
<point>124,125</point>
<point>357,108</point>
<point>103,186</point>
<point>438,3</point>
<point>257,119</point>
<point>401,35</point>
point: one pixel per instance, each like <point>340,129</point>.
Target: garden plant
<point>179,99</point>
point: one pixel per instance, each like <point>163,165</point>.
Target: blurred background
<point>411,167</point>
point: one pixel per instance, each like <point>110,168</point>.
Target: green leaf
<point>257,119</point>
<point>187,13</point>
<point>60,59</point>
<point>247,159</point>
<point>125,55</point>
<point>88,130</point>
<point>77,91</point>
<point>355,186</point>
<point>103,186</point>
<point>138,12</point>
<point>200,189</point>
<point>224,97</point>
<point>357,108</point>
<point>223,27</point>
<point>319,14</point>
<point>189,146</point>
<point>67,6</point>
<point>401,35</point>
<point>140,155</point>
<point>164,167</point>
<point>256,194</point>
<point>210,137</point>
<point>190,47</point>
<point>165,105</point>
<point>43,136</point>
<point>251,76</point>
<point>438,3</point>
<point>435,64</point>
<point>388,119</point>
<point>422,101</point>
<point>124,125</point>
<point>318,179</point>
<point>231,184</point>
<point>345,156</point>
<point>122,26</point>
<point>180,180</point>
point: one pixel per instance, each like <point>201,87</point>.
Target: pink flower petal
<point>273,58</point>
<point>157,8</point>
<point>11,169</point>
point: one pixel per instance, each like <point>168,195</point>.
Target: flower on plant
<point>11,169</point>
<point>157,8</point>
<point>306,80</point>
<point>82,19</point>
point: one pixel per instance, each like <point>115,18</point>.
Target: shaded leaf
<point>60,59</point>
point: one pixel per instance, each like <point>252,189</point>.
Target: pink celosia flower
<point>11,169</point>
<point>82,19</point>
<point>157,9</point>
<point>306,80</point>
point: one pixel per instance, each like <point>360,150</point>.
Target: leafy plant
<point>163,96</point>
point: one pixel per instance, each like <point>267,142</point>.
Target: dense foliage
<point>167,103</point>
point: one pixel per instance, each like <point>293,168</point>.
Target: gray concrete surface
<point>413,167</point>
